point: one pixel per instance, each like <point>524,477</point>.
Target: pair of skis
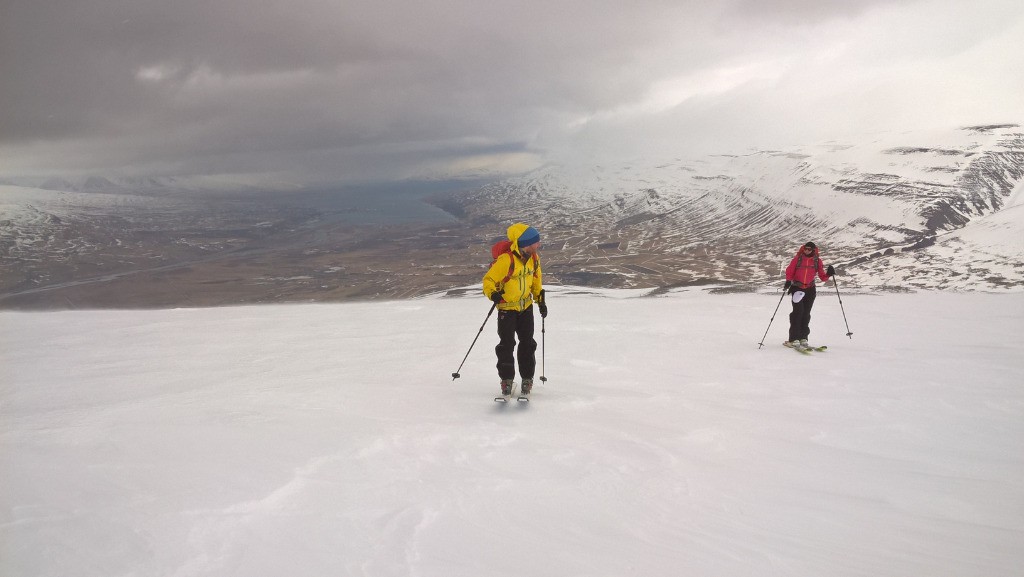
<point>807,350</point>
<point>521,398</point>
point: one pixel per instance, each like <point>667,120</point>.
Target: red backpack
<point>505,247</point>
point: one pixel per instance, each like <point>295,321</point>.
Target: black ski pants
<point>512,324</point>
<point>800,318</point>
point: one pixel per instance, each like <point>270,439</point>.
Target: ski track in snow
<point>331,440</point>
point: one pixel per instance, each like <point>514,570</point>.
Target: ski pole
<point>456,374</point>
<point>836,284</point>
<point>761,344</point>
<point>543,379</point>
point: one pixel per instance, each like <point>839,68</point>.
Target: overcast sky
<point>357,90</point>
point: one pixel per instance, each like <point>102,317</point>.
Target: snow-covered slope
<point>734,217</point>
<point>330,440</point>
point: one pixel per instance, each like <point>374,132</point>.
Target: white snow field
<point>331,440</point>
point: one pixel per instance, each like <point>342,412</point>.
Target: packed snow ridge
<point>330,440</point>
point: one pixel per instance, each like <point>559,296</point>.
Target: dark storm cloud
<point>369,89</point>
<point>167,81</point>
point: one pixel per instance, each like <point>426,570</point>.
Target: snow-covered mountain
<point>892,212</point>
<point>897,211</point>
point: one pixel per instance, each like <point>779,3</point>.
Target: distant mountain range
<point>897,211</point>
<point>893,212</point>
<point>150,185</point>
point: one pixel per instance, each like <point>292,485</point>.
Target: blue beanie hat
<point>529,236</point>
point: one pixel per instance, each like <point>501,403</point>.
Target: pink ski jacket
<point>802,269</point>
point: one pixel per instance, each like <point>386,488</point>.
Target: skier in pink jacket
<point>800,283</point>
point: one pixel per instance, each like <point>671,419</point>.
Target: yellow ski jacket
<point>524,286</point>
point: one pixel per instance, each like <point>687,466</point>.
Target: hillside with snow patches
<point>49,226</point>
<point>330,440</point>
<point>894,212</point>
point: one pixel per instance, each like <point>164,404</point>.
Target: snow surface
<point>320,440</point>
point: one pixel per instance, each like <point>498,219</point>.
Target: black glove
<point>540,297</point>
<point>543,310</point>
<point>830,271</point>
<point>496,297</point>
<point>788,284</point>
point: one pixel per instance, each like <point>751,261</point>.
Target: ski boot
<point>796,346</point>
<point>527,386</point>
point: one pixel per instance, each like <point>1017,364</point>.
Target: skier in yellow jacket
<point>513,283</point>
